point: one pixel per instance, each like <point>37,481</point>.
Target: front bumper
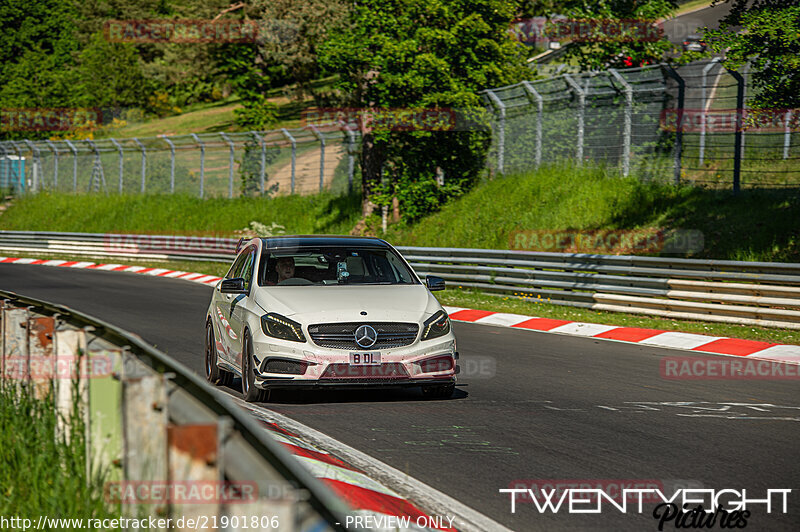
<point>321,361</point>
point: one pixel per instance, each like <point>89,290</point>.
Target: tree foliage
<point>766,33</point>
<point>422,54</point>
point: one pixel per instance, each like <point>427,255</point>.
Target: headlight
<point>281,327</point>
<point>436,326</point>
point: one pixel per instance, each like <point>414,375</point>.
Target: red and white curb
<point>360,481</point>
<point>717,345</point>
<point>155,272</point>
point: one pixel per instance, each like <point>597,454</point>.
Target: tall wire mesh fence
<point>689,124</point>
<point>285,161</point>
<point>678,125</point>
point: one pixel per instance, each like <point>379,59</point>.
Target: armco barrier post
<point>501,130</point>
<point>144,433</point>
<point>68,386</point>
<point>737,138</point>
<point>104,421</point>
<point>678,149</point>
<point>144,161</point>
<point>121,161</point>
<point>294,152</point>
<point>626,129</point>
<point>16,361</point>
<point>40,351</point>
<point>74,165</point>
<point>202,161</point>
<point>171,164</point>
<point>231,148</point>
<point>581,111</point>
<point>55,163</point>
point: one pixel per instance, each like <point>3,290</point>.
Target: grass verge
<point>42,473</point>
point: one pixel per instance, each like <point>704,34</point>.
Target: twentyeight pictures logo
<point>684,508</point>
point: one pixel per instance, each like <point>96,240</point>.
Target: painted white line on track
<point>679,340</point>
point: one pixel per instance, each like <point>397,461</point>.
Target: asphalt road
<point>679,27</point>
<point>536,406</point>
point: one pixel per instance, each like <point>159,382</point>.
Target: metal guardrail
<point>154,424</point>
<point>749,293</point>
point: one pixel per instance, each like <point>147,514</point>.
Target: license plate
<point>372,358</point>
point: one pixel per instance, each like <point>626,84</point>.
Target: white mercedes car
<point>321,311</point>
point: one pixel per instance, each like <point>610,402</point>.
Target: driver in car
<point>285,268</point>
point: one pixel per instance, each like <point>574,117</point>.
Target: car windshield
<point>322,266</point>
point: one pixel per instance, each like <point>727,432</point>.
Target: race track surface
<point>536,406</point>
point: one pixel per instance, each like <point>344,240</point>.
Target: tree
<point>416,55</point>
<point>769,37</point>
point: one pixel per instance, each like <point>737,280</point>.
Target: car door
<point>222,311</point>
<point>237,305</point>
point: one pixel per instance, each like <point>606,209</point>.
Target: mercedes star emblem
<point>366,336</point>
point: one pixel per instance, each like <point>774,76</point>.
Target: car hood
<point>321,304</point>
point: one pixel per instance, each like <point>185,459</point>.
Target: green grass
<point>41,473</point>
<point>757,225</point>
<point>180,214</point>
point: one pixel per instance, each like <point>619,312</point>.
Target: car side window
<point>238,265</point>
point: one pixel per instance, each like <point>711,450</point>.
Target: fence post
<point>36,163</point>
<point>351,158</point>
<point>669,71</point>
<point>626,130</point>
<point>74,165</point>
<point>97,165</point>
<point>171,165</point>
<point>294,152</point>
<point>321,156</point>
<point>55,163</point>
<point>737,139</point>
<point>501,131</point>
<point>745,71</point>
<point>202,161</point>
<point>581,108</point>
<point>705,104</point>
<point>121,160</point>
<point>787,134</point>
<point>539,110</point>
<point>230,163</point>
<point>144,160</point>
<point>263,168</point>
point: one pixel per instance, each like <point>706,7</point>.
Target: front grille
<point>342,335</point>
<point>346,372</point>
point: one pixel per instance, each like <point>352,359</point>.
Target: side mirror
<point>233,286</point>
<point>434,283</point>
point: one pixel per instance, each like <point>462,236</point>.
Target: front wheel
<point>439,391</point>
<point>249,391</point>
<point>212,370</point>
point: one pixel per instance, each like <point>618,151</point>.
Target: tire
<point>439,391</point>
<point>212,370</point>
<point>250,393</point>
